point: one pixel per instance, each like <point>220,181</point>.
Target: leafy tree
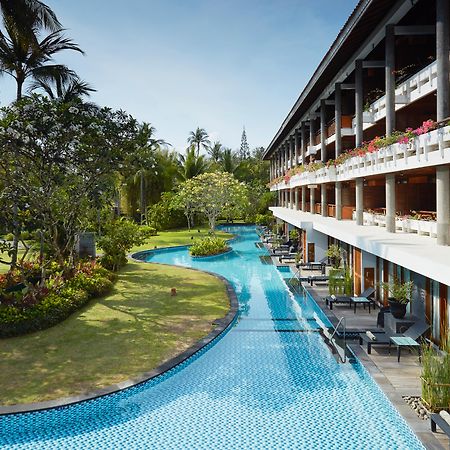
<point>199,138</point>
<point>58,163</point>
<point>165,214</point>
<point>215,194</point>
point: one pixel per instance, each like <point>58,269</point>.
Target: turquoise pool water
<point>268,383</point>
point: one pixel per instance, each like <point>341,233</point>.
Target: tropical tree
<point>67,89</point>
<point>199,138</point>
<point>191,164</point>
<point>215,194</point>
<point>215,152</point>
<point>26,55</point>
<point>228,161</point>
<point>59,163</point>
<point>26,14</point>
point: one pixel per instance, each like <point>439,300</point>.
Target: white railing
<point>427,150</point>
<point>417,86</point>
<point>404,224</point>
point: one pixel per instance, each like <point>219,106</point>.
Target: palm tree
<point>228,162</point>
<point>215,152</point>
<point>25,55</point>
<point>199,138</point>
<point>27,14</point>
<point>65,88</point>
<point>191,164</point>
<point>146,161</point>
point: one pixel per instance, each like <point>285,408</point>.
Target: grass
<point>134,329</point>
<point>177,237</point>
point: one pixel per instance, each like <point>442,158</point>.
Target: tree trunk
<point>16,234</point>
<point>142,202</point>
<point>19,88</point>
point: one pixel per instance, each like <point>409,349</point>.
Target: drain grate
<point>266,259</point>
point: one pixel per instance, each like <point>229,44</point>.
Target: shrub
<point>39,307</point>
<point>148,231</point>
<point>118,239</point>
<point>208,246</point>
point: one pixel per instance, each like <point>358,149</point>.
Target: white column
<point>312,200</point>
<point>390,203</point>
<point>359,201</point>
<point>338,119</point>
<point>323,131</point>
<point>323,200</point>
<point>296,198</point>
<point>442,204</point>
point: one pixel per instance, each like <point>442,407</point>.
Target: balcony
<point>413,251</point>
<point>417,86</point>
<point>427,150</point>
<point>402,224</point>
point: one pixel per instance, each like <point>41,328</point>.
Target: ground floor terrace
<point>375,256</point>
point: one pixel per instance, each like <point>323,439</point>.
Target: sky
<point>215,64</point>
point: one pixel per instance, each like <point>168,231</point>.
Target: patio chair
<point>413,333</point>
<point>442,420</point>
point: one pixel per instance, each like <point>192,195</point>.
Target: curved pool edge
<point>222,325</point>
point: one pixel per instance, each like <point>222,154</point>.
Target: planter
<point>398,310</point>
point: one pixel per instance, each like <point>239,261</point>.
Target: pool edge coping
<point>419,427</point>
<point>221,326</point>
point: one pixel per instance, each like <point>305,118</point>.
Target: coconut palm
<point>191,164</point>
<point>27,14</point>
<point>67,89</point>
<point>228,161</point>
<point>215,152</point>
<point>26,55</point>
<point>199,138</point>
<point>146,161</point>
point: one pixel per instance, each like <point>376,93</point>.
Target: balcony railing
<point>430,149</point>
<point>404,224</point>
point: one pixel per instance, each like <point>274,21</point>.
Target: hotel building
<point>387,204</point>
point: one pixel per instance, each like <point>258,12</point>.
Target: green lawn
<point>131,331</point>
<point>177,237</point>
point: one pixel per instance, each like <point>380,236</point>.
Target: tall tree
<point>26,14</point>
<point>227,162</point>
<point>244,151</point>
<point>191,164</point>
<point>63,88</point>
<point>215,152</point>
<point>26,55</point>
<point>199,138</point>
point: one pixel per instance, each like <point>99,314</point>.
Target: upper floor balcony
<point>426,150</point>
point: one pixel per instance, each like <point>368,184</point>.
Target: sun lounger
<point>442,420</point>
<point>331,300</point>
<point>414,332</point>
<point>318,279</point>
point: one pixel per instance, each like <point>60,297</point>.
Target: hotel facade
<point>362,160</point>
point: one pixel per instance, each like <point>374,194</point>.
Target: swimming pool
<point>269,383</point>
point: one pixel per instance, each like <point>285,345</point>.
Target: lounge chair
<point>330,301</point>
<point>414,332</point>
<point>442,420</point>
<point>318,279</point>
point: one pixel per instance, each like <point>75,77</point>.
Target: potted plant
<point>400,295</point>
<point>334,254</point>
